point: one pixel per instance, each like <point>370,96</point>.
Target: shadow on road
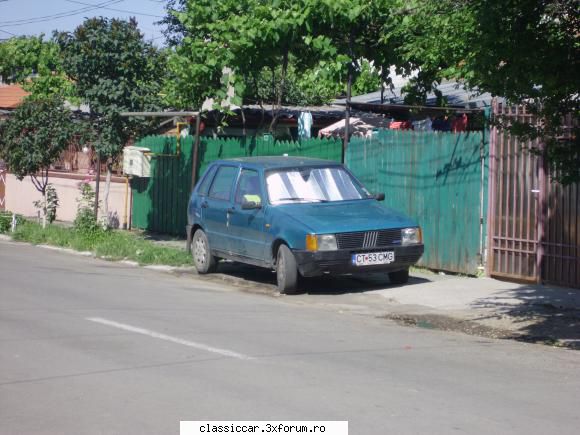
<point>324,285</point>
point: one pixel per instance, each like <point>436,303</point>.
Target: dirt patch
<point>550,336</point>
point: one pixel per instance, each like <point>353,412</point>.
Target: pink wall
<point>21,194</point>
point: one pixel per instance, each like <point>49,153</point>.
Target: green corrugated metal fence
<point>437,178</point>
<point>160,202</point>
<point>227,148</point>
<point>434,177</point>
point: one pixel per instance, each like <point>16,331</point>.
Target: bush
<point>85,220</point>
<point>48,204</point>
<point>6,221</point>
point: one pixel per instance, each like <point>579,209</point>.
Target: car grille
<point>369,239</point>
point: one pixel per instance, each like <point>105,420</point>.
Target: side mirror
<point>250,205</point>
<point>380,196</point>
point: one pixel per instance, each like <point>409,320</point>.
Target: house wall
<point>20,195</point>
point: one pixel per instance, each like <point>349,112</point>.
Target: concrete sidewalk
<point>488,306</point>
<point>465,293</point>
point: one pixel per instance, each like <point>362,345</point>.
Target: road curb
<point>158,267</point>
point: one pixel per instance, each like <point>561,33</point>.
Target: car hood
<point>346,216</point>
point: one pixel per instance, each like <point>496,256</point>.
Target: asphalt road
<point>90,347</point>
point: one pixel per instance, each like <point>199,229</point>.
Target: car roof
<point>274,162</point>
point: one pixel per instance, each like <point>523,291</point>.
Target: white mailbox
<point>136,161</point>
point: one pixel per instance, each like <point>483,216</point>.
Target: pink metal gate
<point>534,224</point>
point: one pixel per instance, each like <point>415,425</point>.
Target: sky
<point>33,17</point>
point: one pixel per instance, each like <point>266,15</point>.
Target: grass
<point>112,245</point>
<point>6,221</point>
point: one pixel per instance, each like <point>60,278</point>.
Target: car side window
<point>207,178</point>
<point>249,187</point>
<point>221,187</point>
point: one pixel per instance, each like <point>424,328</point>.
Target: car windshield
<point>313,185</point>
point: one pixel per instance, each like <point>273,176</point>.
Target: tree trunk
<point>276,113</point>
<point>107,190</point>
<point>243,119</point>
<point>41,187</point>
<point>348,97</point>
<point>383,81</point>
<point>97,186</point>
<point>44,209</point>
<point>262,118</point>
<point>216,122</point>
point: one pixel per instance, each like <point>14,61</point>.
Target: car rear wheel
<point>286,271</point>
<point>202,259</point>
<point>399,277</point>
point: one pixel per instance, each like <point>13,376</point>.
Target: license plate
<point>372,258</point>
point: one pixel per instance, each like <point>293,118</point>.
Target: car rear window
<point>207,178</point>
<point>249,187</point>
<point>221,188</point>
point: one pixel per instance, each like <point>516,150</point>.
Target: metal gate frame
<point>534,224</point>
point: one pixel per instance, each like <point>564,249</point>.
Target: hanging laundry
<point>305,125</point>
<point>459,123</point>
<point>401,125</point>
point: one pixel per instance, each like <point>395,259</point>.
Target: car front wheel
<point>399,277</point>
<point>286,271</point>
<point>202,259</point>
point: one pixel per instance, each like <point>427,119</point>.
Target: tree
<point>275,49</point>
<point>249,37</point>
<point>33,138</point>
<point>358,31</point>
<point>174,30</point>
<point>35,64</point>
<point>114,70</point>
<point>311,86</point>
<point>523,50</point>
<point>529,51</point>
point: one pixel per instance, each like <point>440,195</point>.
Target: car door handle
<point>204,204</point>
<point>231,210</point>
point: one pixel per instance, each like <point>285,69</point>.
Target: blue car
<point>301,217</point>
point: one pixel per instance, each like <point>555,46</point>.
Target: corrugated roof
<point>11,96</point>
<point>456,94</point>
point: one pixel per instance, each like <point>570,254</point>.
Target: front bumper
<point>339,262</point>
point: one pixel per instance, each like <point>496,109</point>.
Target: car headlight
<point>321,242</point>
<point>411,236</point>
